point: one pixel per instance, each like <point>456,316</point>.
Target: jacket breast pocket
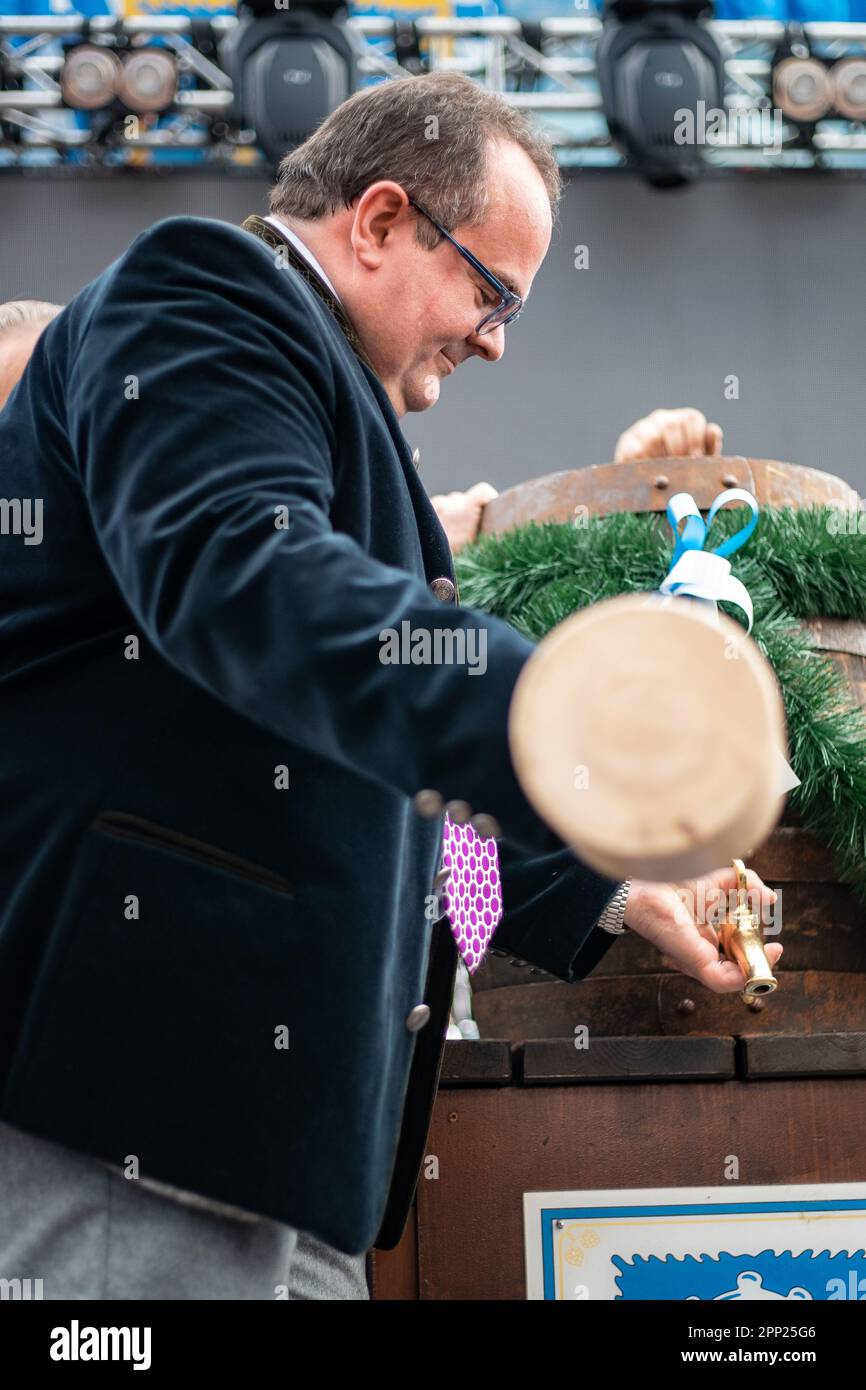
<point>123,826</point>
<point>154,1027</point>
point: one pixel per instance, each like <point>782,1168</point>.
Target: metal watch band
<point>611,919</point>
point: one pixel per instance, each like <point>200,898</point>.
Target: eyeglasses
<point>510,304</point>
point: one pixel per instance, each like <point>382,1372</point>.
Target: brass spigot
<point>741,941</point>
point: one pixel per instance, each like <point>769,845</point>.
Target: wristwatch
<point>611,919</point>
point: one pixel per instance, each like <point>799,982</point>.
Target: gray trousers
<point>88,1232</point>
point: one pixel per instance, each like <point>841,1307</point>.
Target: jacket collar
<point>275,238</point>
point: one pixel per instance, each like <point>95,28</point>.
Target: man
<point>35,1170</point>
<point>214,943</point>
<point>21,322</point>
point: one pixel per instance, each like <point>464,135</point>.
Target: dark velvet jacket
<point>213,876</point>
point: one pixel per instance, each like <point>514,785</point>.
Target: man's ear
<point>380,211</point>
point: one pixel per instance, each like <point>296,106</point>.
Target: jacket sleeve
<point>202,410</point>
<point>551,904</point>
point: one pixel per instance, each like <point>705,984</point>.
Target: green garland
<point>797,564</point>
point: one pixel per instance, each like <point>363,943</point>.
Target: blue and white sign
<point>798,1242</point>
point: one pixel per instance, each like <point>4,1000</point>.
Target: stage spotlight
<point>656,63</point>
<point>148,81</point>
<point>802,89</point>
<point>90,77</point>
<point>288,71</point>
<point>849,88</point>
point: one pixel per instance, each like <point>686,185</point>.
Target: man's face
<point>16,345</point>
<point>417,322</point>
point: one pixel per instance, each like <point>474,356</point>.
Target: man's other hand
<point>460,513</point>
<point>680,433</point>
<point>677,919</point>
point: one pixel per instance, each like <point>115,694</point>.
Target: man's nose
<point>490,346</point>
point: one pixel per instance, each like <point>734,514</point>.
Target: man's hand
<point>460,513</point>
<point>681,433</point>
<point>674,917</point>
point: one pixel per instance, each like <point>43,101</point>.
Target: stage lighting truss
<point>162,98</point>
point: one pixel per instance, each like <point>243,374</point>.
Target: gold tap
<point>741,941</point>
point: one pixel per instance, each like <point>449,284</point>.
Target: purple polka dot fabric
<point>472,895</point>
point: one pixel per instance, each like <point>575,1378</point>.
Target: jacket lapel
<point>273,237</point>
<point>277,241</point>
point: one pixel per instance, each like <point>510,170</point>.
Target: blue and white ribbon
<point>706,574</point>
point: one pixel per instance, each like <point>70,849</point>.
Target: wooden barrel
<point>648,484</point>
<point>634,991</point>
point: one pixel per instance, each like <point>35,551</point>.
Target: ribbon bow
<point>706,574</point>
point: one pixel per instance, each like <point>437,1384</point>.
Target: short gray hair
<point>431,134</point>
<point>19,313</point>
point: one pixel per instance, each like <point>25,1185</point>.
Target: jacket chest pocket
<point>121,825</point>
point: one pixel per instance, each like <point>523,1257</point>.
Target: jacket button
<point>459,811</point>
<point>443,589</point>
<point>416,457</point>
<point>417,1017</point>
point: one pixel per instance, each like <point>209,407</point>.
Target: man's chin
<point>414,393</point>
<point>420,395</point>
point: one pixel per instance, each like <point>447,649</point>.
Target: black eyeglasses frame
<point>510,303</point>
